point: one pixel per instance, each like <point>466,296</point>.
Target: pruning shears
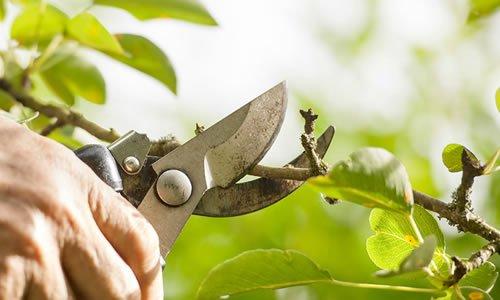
<point>201,176</point>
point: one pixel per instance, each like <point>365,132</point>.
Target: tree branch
<point>471,169</point>
<point>467,222</point>
<point>291,173</point>
<point>51,127</point>
<point>65,115</point>
<point>462,267</point>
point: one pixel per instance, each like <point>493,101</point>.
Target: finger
<point>131,235</point>
<point>30,266</point>
<point>15,250</point>
<point>13,278</point>
<point>94,269</point>
<point>48,280</point>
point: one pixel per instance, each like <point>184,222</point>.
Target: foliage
<point>452,157</point>
<point>395,238</point>
<point>370,175</point>
<point>58,72</point>
<point>482,8</point>
<point>261,269</point>
<point>271,269</point>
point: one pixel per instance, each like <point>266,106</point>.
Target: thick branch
<point>65,115</point>
<point>471,169</point>
<point>468,221</point>
<point>462,267</point>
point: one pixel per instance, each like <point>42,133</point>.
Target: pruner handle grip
<point>102,162</point>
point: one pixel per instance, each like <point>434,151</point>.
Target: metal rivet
<point>174,187</point>
<point>131,164</point>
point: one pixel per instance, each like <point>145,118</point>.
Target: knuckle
<point>19,232</point>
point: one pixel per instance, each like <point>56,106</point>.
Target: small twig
<point>462,267</point>
<point>199,129</point>
<point>66,115</point>
<point>318,167</point>
<point>51,127</point>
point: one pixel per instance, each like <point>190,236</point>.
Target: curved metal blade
<point>247,197</point>
<point>219,156</point>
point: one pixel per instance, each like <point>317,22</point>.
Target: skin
<point>65,234</point>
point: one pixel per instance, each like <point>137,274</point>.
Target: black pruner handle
<point>102,162</point>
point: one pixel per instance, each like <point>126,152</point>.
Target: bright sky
<point>260,43</point>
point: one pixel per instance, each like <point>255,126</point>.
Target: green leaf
<point>372,177</point>
<point>67,140</point>
<point>188,10</point>
<point>260,269</point>
<point>58,87</point>
<point>146,57</point>
<point>417,261</point>
<point>470,293</point>
<point>483,277</point>
<point>489,167</point>
<point>6,101</point>
<point>86,29</point>
<point>497,99</point>
<point>452,156</point>
<point>394,238</point>
<point>55,94</point>
<point>25,2</point>
<point>3,9</point>
<point>13,72</point>
<point>68,73</point>
<point>38,24</point>
<point>481,8</point>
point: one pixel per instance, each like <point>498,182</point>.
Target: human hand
<point>63,232</point>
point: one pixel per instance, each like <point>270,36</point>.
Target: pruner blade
<point>246,197</point>
<point>219,156</point>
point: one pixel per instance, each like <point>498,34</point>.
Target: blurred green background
<point>408,76</point>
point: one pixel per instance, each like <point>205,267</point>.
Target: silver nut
<point>174,187</point>
<point>131,164</point>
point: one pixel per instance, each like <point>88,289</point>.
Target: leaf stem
<point>51,48</point>
<point>415,228</point>
<point>384,287</point>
